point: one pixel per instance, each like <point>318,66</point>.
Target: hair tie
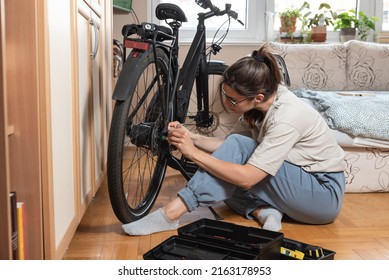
<point>262,59</point>
<point>259,58</point>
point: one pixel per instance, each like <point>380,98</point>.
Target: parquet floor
<point>360,232</point>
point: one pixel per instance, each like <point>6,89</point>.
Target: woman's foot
<point>270,218</point>
<point>154,222</point>
<point>163,219</point>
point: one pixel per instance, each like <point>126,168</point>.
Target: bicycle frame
<point>194,69</point>
<point>195,62</point>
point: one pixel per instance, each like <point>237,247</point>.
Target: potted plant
<point>289,18</point>
<point>349,22</point>
<point>318,22</point>
<point>365,24</point>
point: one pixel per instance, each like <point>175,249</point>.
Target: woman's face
<point>234,101</point>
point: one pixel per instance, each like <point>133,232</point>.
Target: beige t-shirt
<point>294,132</point>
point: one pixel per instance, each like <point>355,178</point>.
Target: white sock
<point>154,222</point>
<point>270,219</point>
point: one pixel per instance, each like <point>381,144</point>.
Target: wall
<point>61,110</point>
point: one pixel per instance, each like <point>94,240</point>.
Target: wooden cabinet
<point>5,232</point>
<point>53,116</point>
<point>20,118</point>
<point>91,99</point>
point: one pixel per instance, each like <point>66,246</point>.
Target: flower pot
<point>319,33</point>
<point>347,34</point>
<point>288,25</point>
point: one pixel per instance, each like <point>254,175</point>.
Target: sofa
<point>348,83</point>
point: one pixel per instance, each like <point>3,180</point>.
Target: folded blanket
<point>359,116</point>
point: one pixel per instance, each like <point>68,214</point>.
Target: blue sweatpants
<point>313,198</point>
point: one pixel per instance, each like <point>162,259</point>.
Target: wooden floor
<point>360,232</point>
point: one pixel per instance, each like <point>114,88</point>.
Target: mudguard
<point>125,85</point>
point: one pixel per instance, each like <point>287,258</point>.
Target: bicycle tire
<point>135,163</point>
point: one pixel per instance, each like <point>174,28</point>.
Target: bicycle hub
<point>140,134</point>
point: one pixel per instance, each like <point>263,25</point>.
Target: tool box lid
<point>265,243</point>
<point>181,248</point>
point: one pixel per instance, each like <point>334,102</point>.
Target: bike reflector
<point>136,45</point>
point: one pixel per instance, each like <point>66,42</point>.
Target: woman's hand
<point>180,137</point>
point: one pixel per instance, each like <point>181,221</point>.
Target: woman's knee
<point>323,217</point>
<point>238,139</point>
<point>239,144</point>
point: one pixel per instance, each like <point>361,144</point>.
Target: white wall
<point>61,115</point>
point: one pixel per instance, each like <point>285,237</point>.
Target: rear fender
<point>124,85</point>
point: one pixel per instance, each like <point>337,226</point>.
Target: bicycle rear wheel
<point>136,163</point>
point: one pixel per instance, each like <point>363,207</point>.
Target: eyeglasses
<point>232,101</point>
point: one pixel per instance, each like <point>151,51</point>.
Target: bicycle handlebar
<point>207,4</point>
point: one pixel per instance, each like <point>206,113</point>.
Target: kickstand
<point>216,215</point>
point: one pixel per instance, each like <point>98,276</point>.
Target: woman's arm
<point>205,143</point>
<point>244,176</point>
<point>208,144</point>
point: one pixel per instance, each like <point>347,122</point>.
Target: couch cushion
<point>314,66</point>
<point>367,66</point>
<point>351,114</point>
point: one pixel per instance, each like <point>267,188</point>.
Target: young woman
<point>281,157</point>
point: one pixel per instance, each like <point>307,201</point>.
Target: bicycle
<point>151,91</point>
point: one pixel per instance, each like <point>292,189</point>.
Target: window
<point>261,20</point>
<point>385,19</point>
<point>248,11</point>
<point>336,6</point>
<point>378,8</point>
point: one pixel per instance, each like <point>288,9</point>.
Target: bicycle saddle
<point>170,11</point>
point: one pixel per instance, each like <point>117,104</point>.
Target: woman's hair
<point>251,75</point>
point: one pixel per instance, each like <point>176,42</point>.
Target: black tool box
<point>208,239</point>
<point>215,240</point>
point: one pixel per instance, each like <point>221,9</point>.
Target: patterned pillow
<point>314,66</point>
<point>367,66</point>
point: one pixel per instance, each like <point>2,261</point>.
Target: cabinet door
<point>23,93</point>
<point>5,225</point>
<point>85,107</point>
<point>99,102</point>
<point>97,6</point>
<point>91,103</point>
